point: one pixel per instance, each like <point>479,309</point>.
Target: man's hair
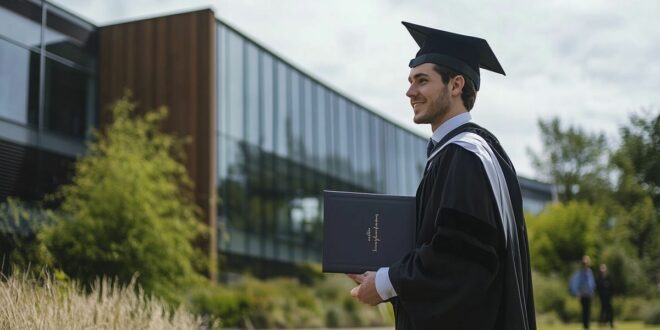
<point>468,94</point>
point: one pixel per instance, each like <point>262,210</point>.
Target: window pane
<point>342,138</point>
<point>69,37</point>
<point>294,135</point>
<point>391,170</point>
<point>378,157</point>
<point>223,79</point>
<point>19,84</point>
<point>252,93</point>
<point>321,132</point>
<point>67,96</point>
<point>350,142</point>
<point>402,168</point>
<point>235,85</point>
<point>282,117</point>
<point>308,112</point>
<point>364,151</point>
<point>20,21</point>
<point>267,101</point>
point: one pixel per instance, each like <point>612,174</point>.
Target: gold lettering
<point>375,236</point>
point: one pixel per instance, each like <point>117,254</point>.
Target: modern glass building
<point>48,75</point>
<point>267,137</point>
<point>294,137</point>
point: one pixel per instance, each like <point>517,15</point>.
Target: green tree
<point>638,158</point>
<point>637,190</point>
<point>563,233</point>
<point>129,209</point>
<point>574,160</point>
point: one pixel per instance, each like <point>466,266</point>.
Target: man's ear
<point>457,84</point>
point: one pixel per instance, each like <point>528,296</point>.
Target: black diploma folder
<point>364,232</point>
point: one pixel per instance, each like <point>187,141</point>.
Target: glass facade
<point>47,69</point>
<point>283,138</point>
<point>47,95</point>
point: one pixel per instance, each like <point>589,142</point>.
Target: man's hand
<point>365,292</point>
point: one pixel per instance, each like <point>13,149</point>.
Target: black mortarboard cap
<point>463,54</point>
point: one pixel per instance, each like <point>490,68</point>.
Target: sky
<point>590,63</point>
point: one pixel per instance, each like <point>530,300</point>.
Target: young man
<point>583,285</point>
<point>470,268</point>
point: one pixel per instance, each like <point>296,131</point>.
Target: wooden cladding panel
<point>170,61</point>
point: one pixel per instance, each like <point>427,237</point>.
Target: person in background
<point>605,292</point>
<point>583,286</point>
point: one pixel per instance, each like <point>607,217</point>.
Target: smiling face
<point>429,96</point>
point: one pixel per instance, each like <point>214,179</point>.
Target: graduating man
<point>470,268</point>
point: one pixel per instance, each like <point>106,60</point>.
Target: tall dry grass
<point>28,303</point>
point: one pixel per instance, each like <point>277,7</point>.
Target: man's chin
<point>419,120</point>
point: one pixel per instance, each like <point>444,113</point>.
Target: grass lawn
<point>619,326</point>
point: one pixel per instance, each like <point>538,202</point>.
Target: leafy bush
<point>563,233</point>
<point>219,303</point>
<point>20,249</point>
<point>129,208</point>
<point>286,303</point>
<point>551,297</point>
<point>629,308</point>
<point>625,270</point>
<point>651,314</point>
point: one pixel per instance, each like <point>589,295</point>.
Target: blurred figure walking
<point>583,285</point>
<point>605,293</point>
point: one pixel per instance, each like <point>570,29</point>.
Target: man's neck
<point>451,114</point>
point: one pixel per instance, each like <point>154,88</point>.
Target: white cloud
<point>589,62</point>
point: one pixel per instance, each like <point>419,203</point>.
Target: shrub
<point>626,271</point>
<point>629,308</point>
<point>551,297</point>
<point>286,303</point>
<point>562,234</point>
<point>20,247</point>
<point>651,314</point>
<point>129,208</point>
<point>219,303</point>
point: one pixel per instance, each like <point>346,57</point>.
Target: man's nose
<point>412,91</point>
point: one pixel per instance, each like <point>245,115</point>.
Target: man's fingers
<point>358,278</point>
<point>354,291</point>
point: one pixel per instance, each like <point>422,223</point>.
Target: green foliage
<point>574,160</point>
<point>551,297</point>
<point>219,303</point>
<point>129,208</point>
<point>638,157</point>
<point>629,308</point>
<point>638,188</point>
<point>651,314</point>
<point>286,303</point>
<point>562,234</point>
<point>19,247</point>
<point>626,271</point>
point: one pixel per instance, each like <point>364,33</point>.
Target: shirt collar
<point>450,125</point>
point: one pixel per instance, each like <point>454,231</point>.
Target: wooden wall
<point>170,61</point>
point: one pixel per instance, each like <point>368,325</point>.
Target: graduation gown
<point>469,270</point>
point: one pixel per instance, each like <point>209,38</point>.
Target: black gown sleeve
<point>449,275</point>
